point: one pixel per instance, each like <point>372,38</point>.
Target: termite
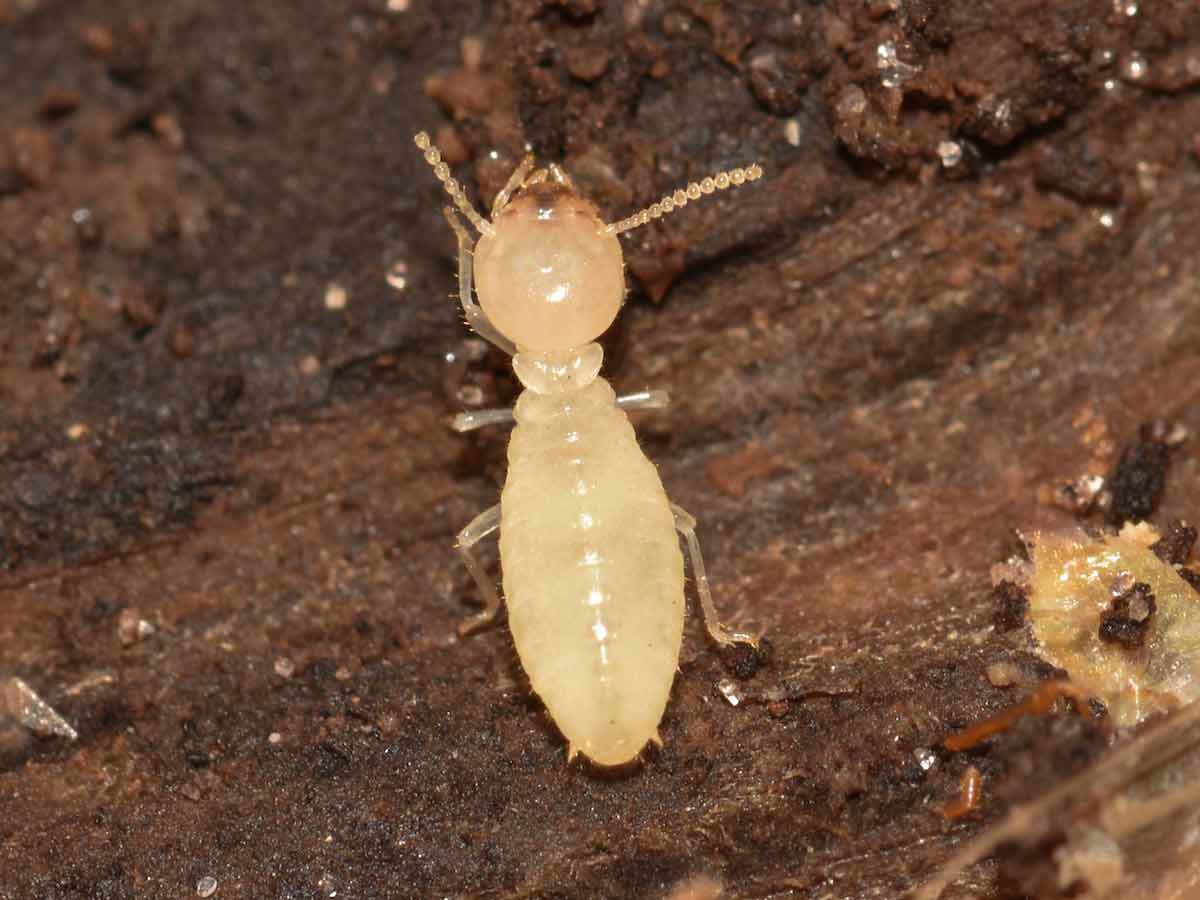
<point>970,789</point>
<point>591,565</point>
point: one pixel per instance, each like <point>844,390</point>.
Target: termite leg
<point>476,318</point>
<point>481,418</point>
<point>686,526</point>
<point>479,528</point>
<point>644,400</point>
<point>560,176</point>
<point>516,180</point>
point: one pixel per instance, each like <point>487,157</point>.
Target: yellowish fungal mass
<point>1073,584</point>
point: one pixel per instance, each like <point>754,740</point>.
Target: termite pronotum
<point>592,570</point>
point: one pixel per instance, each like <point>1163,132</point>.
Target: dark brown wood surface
<point>971,271</point>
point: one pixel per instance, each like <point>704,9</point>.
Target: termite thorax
<point>558,372</point>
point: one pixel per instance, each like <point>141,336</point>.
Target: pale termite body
<point>592,571</point>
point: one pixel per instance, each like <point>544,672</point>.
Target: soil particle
<point>743,660</point>
<point>223,395</point>
<point>31,150</point>
<point>732,474</point>
<point>1129,617</point>
<point>1079,171</point>
<point>1136,483</point>
<point>1175,546</point>
<point>1011,606</point>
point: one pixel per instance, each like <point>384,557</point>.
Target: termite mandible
<point>590,559</point>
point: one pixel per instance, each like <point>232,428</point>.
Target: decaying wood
<point>228,493</point>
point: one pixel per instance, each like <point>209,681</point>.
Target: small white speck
<point>20,700</point>
<point>326,882</point>
<point>1002,674</point>
<point>76,431</point>
<point>599,631</point>
<point>274,737</point>
<point>1127,8</point>
<point>469,395</point>
<point>852,101</point>
<point>335,296</point>
<point>926,758</point>
<point>206,886</point>
<point>730,691</point>
<point>791,132</point>
<point>950,153</point>
<point>310,365</point>
<point>284,667</point>
<point>1106,218</point>
<point>893,70</point>
<point>398,6</point>
<point>1134,67</point>
<point>1147,176</point>
<point>397,275</point>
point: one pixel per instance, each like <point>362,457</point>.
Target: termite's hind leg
<point>685,524</point>
<point>644,400</point>
<point>481,418</point>
<point>476,318</point>
<point>479,528</point>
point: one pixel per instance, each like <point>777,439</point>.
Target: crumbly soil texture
<point>228,494</point>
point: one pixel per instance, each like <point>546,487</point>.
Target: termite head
<point>549,276</point>
<point>549,272</point>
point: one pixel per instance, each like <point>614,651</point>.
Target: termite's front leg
<point>476,318</point>
<point>481,526</point>
<point>686,526</point>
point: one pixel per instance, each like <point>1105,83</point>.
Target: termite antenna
<point>516,180</point>
<point>679,198</point>
<point>453,188</point>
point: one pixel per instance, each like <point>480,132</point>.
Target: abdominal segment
<point>593,581</point>
<point>600,641</point>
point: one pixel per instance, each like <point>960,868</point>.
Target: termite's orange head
<point>549,276</point>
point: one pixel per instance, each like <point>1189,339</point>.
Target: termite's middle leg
<point>482,418</point>
<point>685,524</point>
<point>646,399</point>
<point>479,528</point>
